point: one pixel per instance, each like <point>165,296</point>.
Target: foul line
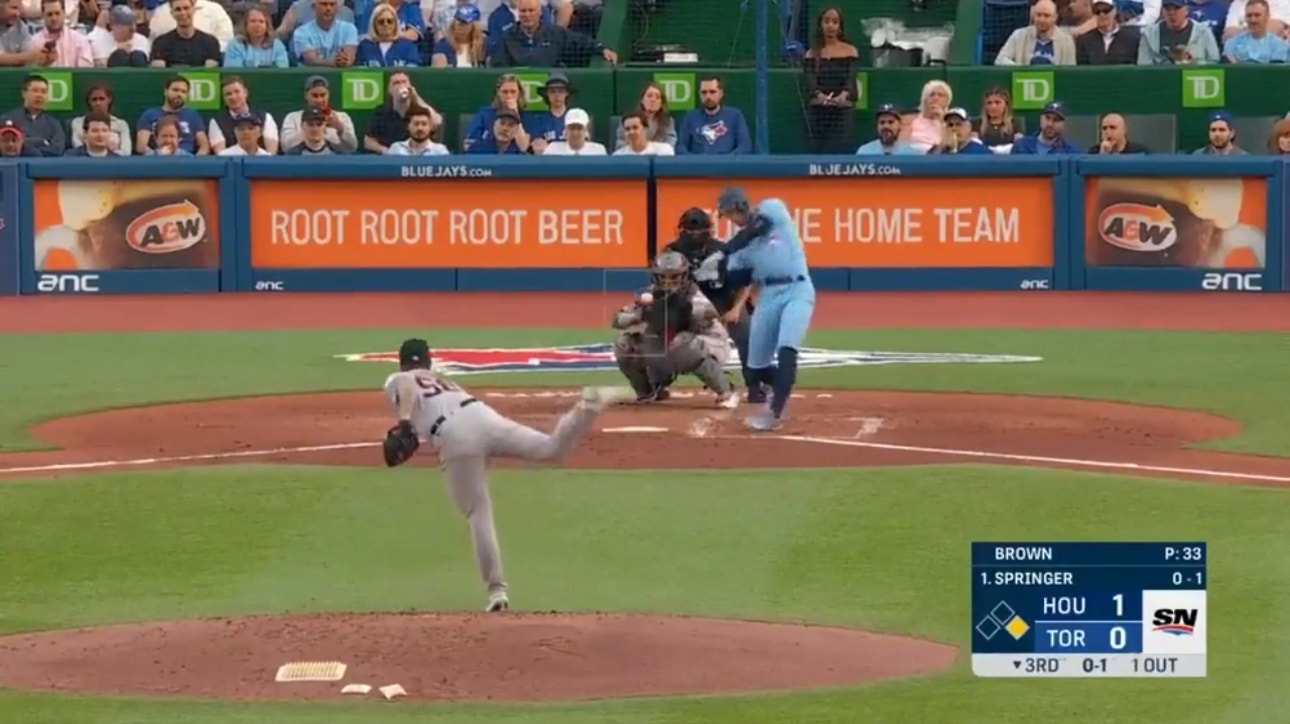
<point>186,458</point>
<point>950,452</point>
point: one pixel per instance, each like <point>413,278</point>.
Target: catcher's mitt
<point>401,442</point>
<point>670,314</point>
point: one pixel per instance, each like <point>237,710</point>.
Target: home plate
<point>635,429</point>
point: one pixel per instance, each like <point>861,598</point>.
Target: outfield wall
<point>200,225</point>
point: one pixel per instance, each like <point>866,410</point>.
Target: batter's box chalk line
<point>311,671</point>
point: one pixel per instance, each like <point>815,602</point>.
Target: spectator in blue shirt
<point>1256,44</point>
<point>509,98</point>
<point>532,43</point>
<point>256,46</point>
<point>1050,138</point>
<point>412,23</point>
<point>463,42</point>
<point>713,128</point>
<point>191,128</point>
<point>888,142</point>
<point>384,47</point>
<point>328,40</point>
<point>1210,13</point>
<point>301,12</point>
<point>503,17</point>
<point>546,127</point>
<point>502,139</point>
<point>168,139</point>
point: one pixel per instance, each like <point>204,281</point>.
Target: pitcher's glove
<point>401,443</point>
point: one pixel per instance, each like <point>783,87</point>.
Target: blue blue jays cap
<point>467,14</point>
<point>732,198</point>
<point>1056,108</point>
<point>887,109</point>
<point>1223,116</point>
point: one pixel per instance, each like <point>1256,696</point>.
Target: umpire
<point>695,242</point>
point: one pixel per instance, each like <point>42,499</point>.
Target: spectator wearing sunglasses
<point>1109,42</point>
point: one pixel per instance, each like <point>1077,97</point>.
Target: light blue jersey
<point>777,258</point>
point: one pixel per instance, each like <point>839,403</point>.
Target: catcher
<point>672,329</point>
<point>466,433</point>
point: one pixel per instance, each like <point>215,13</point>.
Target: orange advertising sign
<point>479,224</point>
<point>894,222</point>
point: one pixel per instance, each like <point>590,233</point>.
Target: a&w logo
<point>601,357</point>
<point>1137,227</point>
<point>167,229</point>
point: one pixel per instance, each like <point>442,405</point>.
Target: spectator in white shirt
<point>99,98</point>
<point>638,144</point>
<point>247,129</point>
<point>576,134</point>
<point>208,17</point>
<point>119,44</point>
<point>69,48</point>
<point>1278,25</point>
<point>418,143</point>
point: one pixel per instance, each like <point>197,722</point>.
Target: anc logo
<point>167,229</point>
<point>594,357</point>
<point>1137,227</point>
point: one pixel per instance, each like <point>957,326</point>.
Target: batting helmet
<point>670,271</point>
<point>731,199</point>
<point>414,354</point>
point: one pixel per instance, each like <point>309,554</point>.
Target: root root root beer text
<point>391,227</point>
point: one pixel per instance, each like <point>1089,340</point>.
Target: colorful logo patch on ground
<point>593,357</point>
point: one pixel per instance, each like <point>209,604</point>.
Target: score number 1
<point>1119,637</point>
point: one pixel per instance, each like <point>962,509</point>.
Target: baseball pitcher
<point>466,433</point>
<point>672,330</point>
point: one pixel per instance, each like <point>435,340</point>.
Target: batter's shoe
<point>598,397</point>
<point>497,602</point>
<point>763,422</point>
<point>729,400</point>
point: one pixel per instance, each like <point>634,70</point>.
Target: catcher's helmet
<point>414,353</point>
<point>670,271</point>
<point>694,221</point>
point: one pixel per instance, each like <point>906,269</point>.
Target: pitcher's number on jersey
<point>432,386</point>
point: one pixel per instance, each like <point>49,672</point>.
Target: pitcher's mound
<point>506,657</point>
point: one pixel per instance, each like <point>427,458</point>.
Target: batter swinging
<point>466,433</point>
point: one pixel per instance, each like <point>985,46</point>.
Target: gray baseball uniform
<point>701,350</point>
<point>466,433</point>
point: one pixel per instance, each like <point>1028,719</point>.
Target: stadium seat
<point>1158,132</point>
<point>1252,133</point>
<point>998,20</point>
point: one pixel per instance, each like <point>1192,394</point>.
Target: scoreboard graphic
<point>1105,610</point>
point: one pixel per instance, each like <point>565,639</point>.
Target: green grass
<point>875,548</point>
<point>1228,374</point>
<point>885,549</point>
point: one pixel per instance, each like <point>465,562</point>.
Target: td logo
<point>362,89</point>
<point>60,91</point>
<point>1204,88</point>
<point>678,90</point>
<point>1032,90</point>
<point>203,90</point>
<point>531,85</point>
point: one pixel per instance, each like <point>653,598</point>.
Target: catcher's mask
<point>414,354</point>
<point>670,272</point>
<point>694,222</point>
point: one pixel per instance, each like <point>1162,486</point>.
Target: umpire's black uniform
<point>697,243</point>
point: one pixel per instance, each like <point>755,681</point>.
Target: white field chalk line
<point>187,458</point>
<point>137,462</point>
<point>1039,459</point>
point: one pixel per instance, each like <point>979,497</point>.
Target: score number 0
<point>1119,637</point>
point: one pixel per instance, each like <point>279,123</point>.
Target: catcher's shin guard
<point>713,375</point>
<point>632,365</point>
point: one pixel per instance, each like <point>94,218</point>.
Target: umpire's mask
<point>694,223</point>
<point>671,270</point>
